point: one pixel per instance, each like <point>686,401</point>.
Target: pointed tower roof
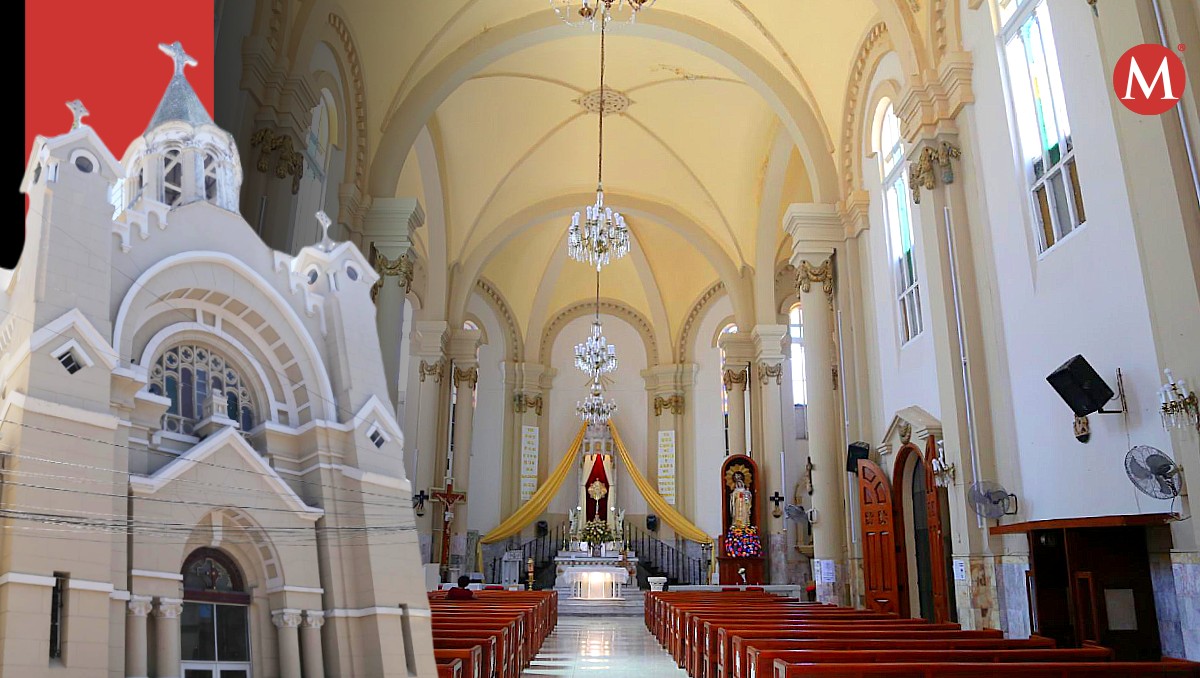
<point>179,102</point>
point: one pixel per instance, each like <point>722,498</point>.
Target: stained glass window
<point>187,375</point>
<point>1043,130</point>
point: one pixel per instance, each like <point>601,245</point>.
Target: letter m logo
<point>1153,95</point>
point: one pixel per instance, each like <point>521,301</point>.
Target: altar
<point>582,576</point>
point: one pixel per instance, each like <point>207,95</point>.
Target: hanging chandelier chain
<point>600,161</point>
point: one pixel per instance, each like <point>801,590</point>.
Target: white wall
<point>708,425</point>
<point>903,375</point>
<point>487,436</point>
<point>1084,296</point>
<point>628,389</point>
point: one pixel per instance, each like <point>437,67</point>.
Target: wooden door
<point>937,539</point>
<point>879,539</point>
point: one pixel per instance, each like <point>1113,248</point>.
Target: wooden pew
<point>472,659</point>
<point>760,661</point>
<point>486,647</point>
<point>785,669</point>
<point>449,668</point>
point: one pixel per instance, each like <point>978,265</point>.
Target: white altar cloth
<point>595,582</point>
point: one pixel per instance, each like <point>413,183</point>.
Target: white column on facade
<point>388,226</point>
<point>531,385</point>
<point>310,644</point>
<point>816,230</point>
<point>136,649</point>
<point>768,373</point>
<point>463,352</point>
<point>665,389</point>
<point>166,627</point>
<point>287,624</point>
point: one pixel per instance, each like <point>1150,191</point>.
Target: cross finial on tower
<point>180,57</point>
<point>77,110</point>
<point>326,222</point>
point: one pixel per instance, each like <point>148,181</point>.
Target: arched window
<point>189,375</point>
<point>214,628</point>
<point>172,178</point>
<point>210,177</point>
<point>898,214</point>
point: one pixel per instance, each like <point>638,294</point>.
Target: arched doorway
<point>923,535</point>
<point>215,624</point>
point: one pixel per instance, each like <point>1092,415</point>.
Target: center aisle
<point>597,646</point>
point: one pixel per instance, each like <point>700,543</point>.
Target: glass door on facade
<point>215,641</point>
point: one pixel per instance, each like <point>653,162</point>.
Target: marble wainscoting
<point>976,596</point>
<point>1012,595</point>
<point>1186,569</point>
<point>1166,605</point>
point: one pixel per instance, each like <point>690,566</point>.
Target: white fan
<point>1153,472</point>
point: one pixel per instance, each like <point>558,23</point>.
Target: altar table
<point>594,582</point>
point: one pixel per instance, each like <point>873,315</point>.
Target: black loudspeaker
<point>856,451</point>
<point>652,522</point>
<point>1080,387</point>
<point>543,528</point>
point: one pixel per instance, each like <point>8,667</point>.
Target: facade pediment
<point>910,424</point>
<point>226,448</point>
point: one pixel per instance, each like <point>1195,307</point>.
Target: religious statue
<point>740,500</point>
<point>573,519</point>
<point>620,521</point>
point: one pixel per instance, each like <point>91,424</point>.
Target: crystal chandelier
<point>594,410</point>
<point>595,356</point>
<point>598,235</point>
<point>591,12</point>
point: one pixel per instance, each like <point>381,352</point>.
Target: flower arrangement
<point>743,542</point>
<point>596,532</point>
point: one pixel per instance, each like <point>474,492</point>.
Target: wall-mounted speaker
<point>1080,387</point>
<point>652,522</point>
<point>856,451</point>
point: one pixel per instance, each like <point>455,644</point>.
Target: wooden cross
<point>449,498</point>
<point>180,57</point>
<point>777,499</point>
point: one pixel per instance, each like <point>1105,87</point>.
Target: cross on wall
<point>777,499</point>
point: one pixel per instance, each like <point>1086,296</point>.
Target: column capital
<point>738,347</point>
<point>140,606</point>
<point>168,608</point>
<point>769,341</point>
<point>672,403</point>
<point>286,618</point>
<point>733,378</point>
<point>390,222</point>
<point>523,402</point>
<point>768,371</point>
<point>429,339</point>
<point>468,375</point>
<point>929,161</point>
<point>931,102</point>
<point>816,228</point>
<point>400,266</point>
<point>462,346</point>
<point>314,619</point>
<point>817,273</point>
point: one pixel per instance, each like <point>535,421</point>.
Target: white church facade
<point>202,472</point>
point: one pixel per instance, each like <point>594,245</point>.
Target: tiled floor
<point>600,646</point>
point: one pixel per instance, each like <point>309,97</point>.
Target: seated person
<point>461,592</point>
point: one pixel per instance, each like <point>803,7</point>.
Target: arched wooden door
<point>938,556</point>
<point>879,539</point>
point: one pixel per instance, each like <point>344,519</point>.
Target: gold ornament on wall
<point>523,402</point>
<point>732,377</point>
<point>288,161</point>
<point>768,372</point>
<point>673,403</point>
<point>400,268</point>
<point>822,273</point>
<point>469,375</point>
<point>434,370</point>
<point>923,172</point>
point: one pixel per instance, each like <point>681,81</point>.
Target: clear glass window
<point>898,214</point>
<point>172,178</point>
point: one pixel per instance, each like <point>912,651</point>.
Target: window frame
<point>1046,236</point>
<point>910,314</point>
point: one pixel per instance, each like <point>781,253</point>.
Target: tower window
<point>69,363</point>
<point>377,438</point>
<point>172,178</point>
<point>189,375</point>
<point>210,178</point>
<point>83,164</point>
<point>71,357</point>
<point>58,607</point>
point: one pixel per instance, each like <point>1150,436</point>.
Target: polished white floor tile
<point>599,646</point>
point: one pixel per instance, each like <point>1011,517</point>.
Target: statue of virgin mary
<point>740,501</point>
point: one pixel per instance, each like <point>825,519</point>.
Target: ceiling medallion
<point>615,103</point>
<point>590,12</point>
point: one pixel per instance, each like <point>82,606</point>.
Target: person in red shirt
<point>461,592</point>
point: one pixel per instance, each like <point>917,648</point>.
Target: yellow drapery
<point>682,526</point>
<point>541,499</point>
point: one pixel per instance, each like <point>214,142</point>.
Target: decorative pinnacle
<point>77,110</point>
<point>180,57</point>
<point>326,222</point>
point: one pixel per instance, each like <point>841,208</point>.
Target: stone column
<point>816,230</point>
<point>136,649</point>
<point>166,628</point>
<point>665,386</point>
<point>388,226</point>
<point>768,370</point>
<point>531,384</point>
<point>310,644</point>
<point>287,622</point>
<point>424,424</point>
<point>739,353</point>
<point>463,352</point>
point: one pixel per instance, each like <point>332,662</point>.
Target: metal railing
<point>542,549</point>
<point>655,554</point>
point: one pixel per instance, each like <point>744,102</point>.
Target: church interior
<point>701,337</point>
